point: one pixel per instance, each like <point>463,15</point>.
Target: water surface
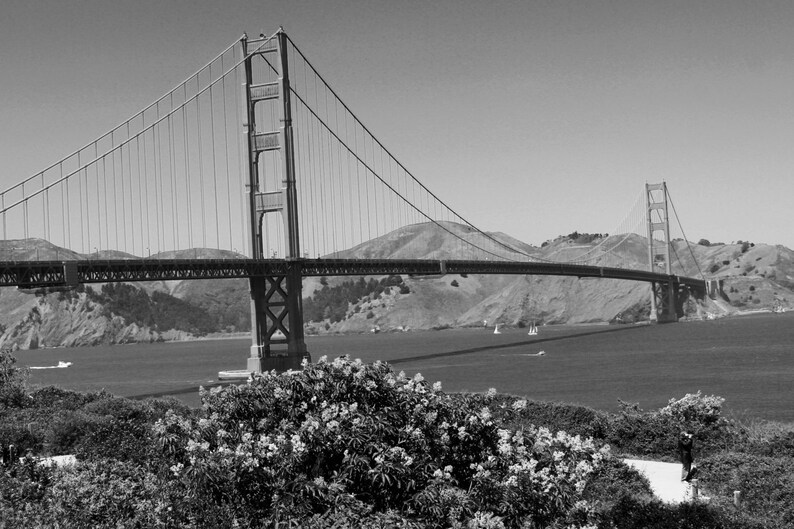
<point>749,360</point>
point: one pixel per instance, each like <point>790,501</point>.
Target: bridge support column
<point>664,302</point>
<point>277,340</point>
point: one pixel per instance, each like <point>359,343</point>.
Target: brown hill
<point>755,277</point>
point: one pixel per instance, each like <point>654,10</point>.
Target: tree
<point>13,380</point>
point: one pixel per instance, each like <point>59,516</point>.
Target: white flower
<point>519,404</point>
<point>491,392</point>
<point>436,386</point>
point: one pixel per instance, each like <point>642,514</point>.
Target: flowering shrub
<point>347,437</point>
<point>695,408</point>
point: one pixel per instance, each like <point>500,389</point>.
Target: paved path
<point>665,479</point>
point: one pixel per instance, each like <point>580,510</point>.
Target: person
<point>685,444</point>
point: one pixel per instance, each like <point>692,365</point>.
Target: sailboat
<point>496,329</point>
<point>533,329</point>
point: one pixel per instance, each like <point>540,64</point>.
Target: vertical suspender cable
<point>141,196</point>
<point>241,163</point>
<point>186,158</point>
<point>341,178</point>
<point>115,194</point>
<point>123,204</point>
<point>331,185</point>
<point>25,211</point>
<point>132,194</point>
<point>173,174</point>
<point>226,158</point>
<point>214,170</point>
<point>358,185</point>
<point>201,168</point>
<point>80,196</point>
<point>143,182</point>
<point>157,160</point>
<point>68,239</point>
<point>105,200</point>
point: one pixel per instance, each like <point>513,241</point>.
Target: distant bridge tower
<point>277,340</point>
<point>663,294</point>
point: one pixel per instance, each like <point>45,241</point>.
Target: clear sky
<point>535,118</point>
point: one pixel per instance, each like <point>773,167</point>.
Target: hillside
<point>755,277</point>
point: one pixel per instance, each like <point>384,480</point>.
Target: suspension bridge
<point>254,167</point>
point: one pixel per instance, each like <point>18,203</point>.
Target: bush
<point>614,479</point>
<point>695,410</point>
<point>361,436</point>
<point>12,382</point>
<point>106,494</point>
<point>630,512</point>
<point>63,399</point>
<point>767,484</point>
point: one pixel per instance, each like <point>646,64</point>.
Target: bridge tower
<point>663,294</point>
<point>277,340</point>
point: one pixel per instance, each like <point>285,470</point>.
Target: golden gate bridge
<point>255,167</point>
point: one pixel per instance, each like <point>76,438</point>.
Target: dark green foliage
<point>22,489</point>
<point>576,420</point>
<point>227,301</point>
<point>332,303</point>
<point>714,268</point>
<point>159,311</point>
<point>613,480</point>
<point>63,399</point>
<point>631,512</point>
<point>766,482</point>
<point>454,282</point>
<point>583,238</point>
<point>12,382</point>
<point>704,242</point>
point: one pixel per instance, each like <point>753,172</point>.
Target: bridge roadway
<point>35,274</point>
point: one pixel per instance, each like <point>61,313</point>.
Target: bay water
<point>748,360</point>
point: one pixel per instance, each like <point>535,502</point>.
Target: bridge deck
<point>34,274</point>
